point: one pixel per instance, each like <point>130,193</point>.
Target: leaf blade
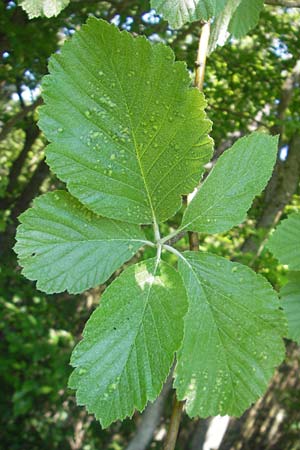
<point>63,245</point>
<point>179,12</point>
<point>231,328</point>
<point>284,242</point>
<point>245,17</point>
<point>239,175</point>
<point>132,152</point>
<point>129,341</point>
<point>236,19</point>
<point>47,8</point>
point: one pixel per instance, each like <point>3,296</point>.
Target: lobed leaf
<point>129,341</point>
<point>64,246</point>
<point>137,138</point>
<point>47,8</point>
<point>239,175</point>
<point>232,338</point>
<point>290,295</point>
<point>285,241</point>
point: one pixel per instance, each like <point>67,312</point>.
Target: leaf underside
<point>245,17</point>
<point>239,175</point>
<point>129,342</point>
<point>65,246</point>
<point>47,8</point>
<point>232,340</point>
<point>285,241</point>
<point>237,18</point>
<point>138,136</point>
<point>219,29</point>
<point>178,12</point>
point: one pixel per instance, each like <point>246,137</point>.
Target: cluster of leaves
<point>284,244</point>
<point>231,17</point>
<point>137,141</point>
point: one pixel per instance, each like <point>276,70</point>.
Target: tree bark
<point>269,424</point>
<point>150,420</point>
<point>198,435</point>
<point>287,93</point>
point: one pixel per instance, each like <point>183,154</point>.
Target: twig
<point>194,241</point>
<point>174,425</point>
<point>201,56</point>
<point>200,65</point>
<point>175,238</point>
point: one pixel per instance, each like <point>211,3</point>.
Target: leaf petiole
<point>176,252</point>
<point>149,243</point>
<point>156,231</point>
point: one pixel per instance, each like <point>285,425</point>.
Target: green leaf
<point>239,175</point>
<point>232,338</point>
<point>246,17</point>
<point>290,295</point>
<point>178,12</point>
<point>284,242</point>
<point>129,342</point>
<point>47,8</point>
<point>63,245</point>
<point>237,19</point>
<point>137,138</point>
<point>219,29</point>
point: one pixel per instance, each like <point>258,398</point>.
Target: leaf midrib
<point>133,136</point>
<point>83,241</point>
<point>141,326</point>
<point>214,321</point>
